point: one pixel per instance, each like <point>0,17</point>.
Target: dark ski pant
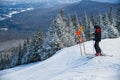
<point>97,48</point>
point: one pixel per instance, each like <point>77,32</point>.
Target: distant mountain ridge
<point>90,7</point>
<point>60,1</point>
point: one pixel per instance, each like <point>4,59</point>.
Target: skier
<point>97,39</point>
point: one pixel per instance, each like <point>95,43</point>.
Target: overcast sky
<point>111,1</point>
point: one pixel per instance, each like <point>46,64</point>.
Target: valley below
<point>7,45</point>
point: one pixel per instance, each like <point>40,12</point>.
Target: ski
<point>90,56</point>
<point>107,55</point>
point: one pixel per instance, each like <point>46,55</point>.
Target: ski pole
<point>83,45</point>
<point>79,39</point>
<point>80,48</point>
<point>93,46</point>
<point>84,48</point>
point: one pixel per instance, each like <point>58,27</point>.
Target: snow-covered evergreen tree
<point>106,20</point>
<point>69,22</point>
<point>100,22</point>
<point>53,36</point>
<point>90,29</point>
<point>112,31</point>
<point>62,13</point>
<point>25,50</point>
<point>75,21</point>
<point>14,58</point>
<point>71,31</point>
<point>92,19</point>
<point>8,58</point>
<point>20,54</point>
<point>112,17</point>
<point>118,19</point>
<point>30,49</point>
<point>85,25</point>
<point>35,45</point>
<point>109,31</point>
<point>75,25</point>
<point>60,34</point>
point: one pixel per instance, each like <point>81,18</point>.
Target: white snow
<point>2,18</point>
<point>16,12</point>
<point>68,64</point>
<point>4,29</point>
<point>11,13</point>
<point>27,9</point>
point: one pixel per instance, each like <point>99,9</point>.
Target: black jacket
<point>97,34</point>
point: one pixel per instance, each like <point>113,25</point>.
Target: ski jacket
<point>97,34</point>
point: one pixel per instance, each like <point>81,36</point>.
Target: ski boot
<point>98,54</point>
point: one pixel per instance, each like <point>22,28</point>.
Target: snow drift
<point>68,64</point>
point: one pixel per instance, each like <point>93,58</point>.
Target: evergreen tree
<point>111,17</point>
<point>85,25</point>
<point>75,21</point>
<point>100,22</point>
<point>61,34</point>
<point>36,44</point>
<point>27,41</point>
<point>90,30</point>
<point>26,46</point>
<point>14,58</point>
<point>76,26</point>
<point>62,13</point>
<point>109,31</point>
<point>20,53</point>
<point>106,20</point>
<point>53,36</point>
<point>69,22</point>
<point>71,31</point>
<point>118,19</point>
<point>92,19</point>
<point>112,31</point>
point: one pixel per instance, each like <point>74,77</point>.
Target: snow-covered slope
<point>68,64</point>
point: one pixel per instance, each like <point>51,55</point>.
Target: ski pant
<point>97,48</point>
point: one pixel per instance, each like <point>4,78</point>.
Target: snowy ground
<point>68,64</point>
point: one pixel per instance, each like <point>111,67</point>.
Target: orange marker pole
<point>78,35</point>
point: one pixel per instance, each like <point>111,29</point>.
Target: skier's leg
<point>96,47</point>
<point>99,50</point>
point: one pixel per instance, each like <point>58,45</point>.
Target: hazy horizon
<point>62,1</point>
